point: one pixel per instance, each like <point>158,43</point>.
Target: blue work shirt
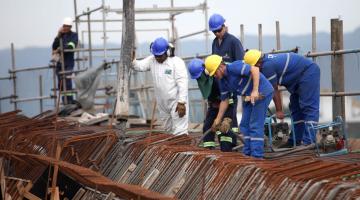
<point>70,41</point>
<point>284,69</point>
<point>238,79</point>
<point>230,48</point>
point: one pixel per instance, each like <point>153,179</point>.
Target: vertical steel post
<point>260,36</point>
<point>41,94</point>
<point>242,34</point>
<point>278,44</point>
<point>13,74</point>
<point>313,36</point>
<point>63,76</point>
<point>89,37</point>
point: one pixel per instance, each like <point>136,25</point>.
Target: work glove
<point>225,125</point>
<point>181,109</point>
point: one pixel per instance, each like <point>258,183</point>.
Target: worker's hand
<point>225,125</point>
<point>215,125</point>
<point>280,114</point>
<point>61,31</point>
<point>181,109</point>
<point>254,96</point>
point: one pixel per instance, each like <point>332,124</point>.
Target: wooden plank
<point>337,68</point>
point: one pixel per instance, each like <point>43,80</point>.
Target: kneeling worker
<point>209,88</point>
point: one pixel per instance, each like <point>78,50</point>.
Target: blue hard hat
<point>196,67</point>
<point>159,46</point>
<point>215,22</point>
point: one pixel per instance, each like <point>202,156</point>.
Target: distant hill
<point>39,56</point>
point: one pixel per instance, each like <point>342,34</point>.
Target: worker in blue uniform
<point>229,48</point>
<point>301,77</point>
<point>69,41</point>
<point>247,81</point>
<point>209,88</point>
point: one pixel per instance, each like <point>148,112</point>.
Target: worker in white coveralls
<point>170,78</point>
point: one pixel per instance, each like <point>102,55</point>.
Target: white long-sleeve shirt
<point>170,80</point>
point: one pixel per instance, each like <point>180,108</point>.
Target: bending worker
<point>170,85</point>
<point>229,48</point>
<point>69,41</point>
<point>209,88</point>
<point>247,81</point>
<point>301,77</point>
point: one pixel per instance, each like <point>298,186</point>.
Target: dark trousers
<point>209,139</point>
<point>68,82</point>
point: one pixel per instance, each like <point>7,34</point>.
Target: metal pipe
<point>120,30</point>
<point>89,39</point>
<point>278,44</point>
<point>54,85</point>
<point>191,34</point>
<point>94,49</point>
<point>260,36</point>
<point>63,78</point>
<point>206,27</point>
<point>72,71</point>
<point>120,20</point>
<point>30,69</point>
<point>5,78</point>
<point>88,12</point>
<point>41,94</point>
<point>31,99</point>
<point>332,53</point>
<point>161,10</point>
<point>313,36</point>
<point>294,50</point>
<point>104,29</point>
<point>13,75</point>
<point>242,33</point>
<point>339,94</point>
<point>7,97</point>
<point>77,31</point>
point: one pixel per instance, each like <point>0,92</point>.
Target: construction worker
<point>69,41</point>
<point>301,77</point>
<point>229,48</point>
<point>170,85</point>
<point>245,80</point>
<point>209,88</point>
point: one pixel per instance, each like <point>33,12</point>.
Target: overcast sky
<point>35,22</point>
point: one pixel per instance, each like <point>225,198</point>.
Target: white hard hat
<point>67,21</point>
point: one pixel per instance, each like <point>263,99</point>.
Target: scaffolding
<point>141,87</point>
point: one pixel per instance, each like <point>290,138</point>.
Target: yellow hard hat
<point>212,63</point>
<point>252,56</point>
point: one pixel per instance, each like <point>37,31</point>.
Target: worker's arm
<point>181,78</point>
<point>278,102</point>
<point>55,44</point>
<point>224,104</point>
<point>72,44</point>
<point>142,65</point>
<point>255,75</point>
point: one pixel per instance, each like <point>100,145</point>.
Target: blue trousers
<point>209,139</point>
<point>304,105</point>
<point>252,126</point>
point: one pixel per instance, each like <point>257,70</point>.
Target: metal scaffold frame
<point>143,92</point>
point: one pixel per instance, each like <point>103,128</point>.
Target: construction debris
<point>138,164</point>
